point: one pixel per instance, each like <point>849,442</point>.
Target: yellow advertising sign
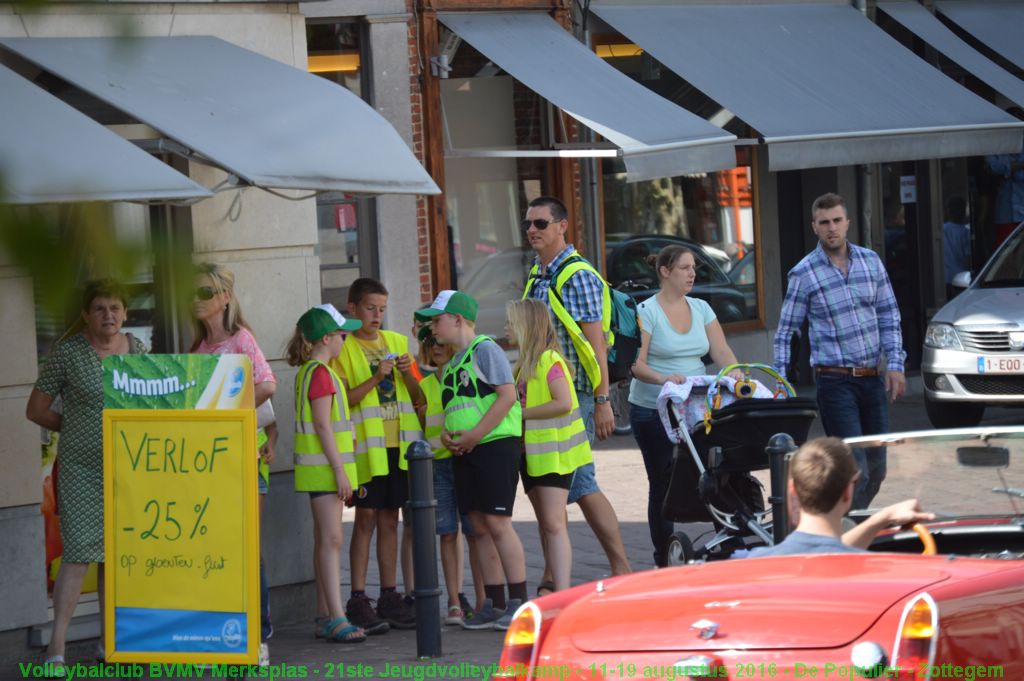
<point>181,534</point>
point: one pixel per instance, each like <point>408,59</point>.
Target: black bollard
<point>778,448</point>
<point>420,512</point>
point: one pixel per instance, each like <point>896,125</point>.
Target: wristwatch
<point>600,399</point>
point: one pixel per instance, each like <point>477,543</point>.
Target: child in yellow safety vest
<point>383,413</point>
<point>324,456</point>
<point>447,517</point>
<point>483,430</point>
<point>555,438</point>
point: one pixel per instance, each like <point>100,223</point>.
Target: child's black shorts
<point>389,491</point>
<point>487,477</point>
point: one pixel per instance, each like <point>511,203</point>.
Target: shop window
<point>345,224</point>
<point>486,109</point>
<point>710,213</point>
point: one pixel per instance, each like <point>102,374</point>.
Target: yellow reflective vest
<point>434,419</point>
<point>559,444</point>
<point>570,266</point>
<point>367,417</point>
<point>313,472</point>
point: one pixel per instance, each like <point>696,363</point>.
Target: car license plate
<point>1001,365</point>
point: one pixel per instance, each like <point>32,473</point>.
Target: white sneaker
<point>264,658</point>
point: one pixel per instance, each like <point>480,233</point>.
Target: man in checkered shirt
<point>544,227</point>
<point>844,292</point>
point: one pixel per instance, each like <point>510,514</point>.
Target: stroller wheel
<point>679,549</point>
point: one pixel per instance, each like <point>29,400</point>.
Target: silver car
<point>974,346</point>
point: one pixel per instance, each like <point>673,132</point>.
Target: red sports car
<point>889,613</point>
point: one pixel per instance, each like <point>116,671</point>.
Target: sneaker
<point>264,657</point>
<point>393,609</point>
<point>360,612</point>
<point>55,668</point>
<point>455,615</point>
<point>505,621</point>
<point>467,610</point>
<point>484,618</point>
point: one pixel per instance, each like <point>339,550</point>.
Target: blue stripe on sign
<point>179,631</point>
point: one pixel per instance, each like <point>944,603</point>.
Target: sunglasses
<point>537,223</point>
<point>205,293</point>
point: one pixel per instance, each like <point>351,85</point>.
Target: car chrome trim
<point>706,629</point>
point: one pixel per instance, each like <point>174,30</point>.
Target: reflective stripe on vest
<point>313,472</point>
<point>558,444</point>
<point>585,351</point>
<point>463,412</point>
<point>367,416</point>
<point>434,418</point>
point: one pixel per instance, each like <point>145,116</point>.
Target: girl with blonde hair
<point>555,438</point>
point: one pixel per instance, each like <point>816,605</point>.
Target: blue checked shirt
<point>853,318</point>
<point>581,296</point>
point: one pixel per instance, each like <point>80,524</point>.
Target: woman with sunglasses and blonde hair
<point>220,329</point>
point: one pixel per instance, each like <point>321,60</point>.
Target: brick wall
<point>418,138</point>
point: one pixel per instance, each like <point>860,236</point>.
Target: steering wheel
<point>925,535</point>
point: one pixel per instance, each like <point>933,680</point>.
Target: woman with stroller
<point>676,332</point>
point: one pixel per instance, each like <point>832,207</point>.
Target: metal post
<point>778,448</point>
<point>420,512</point>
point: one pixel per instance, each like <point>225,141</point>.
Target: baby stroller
<point>722,435</point>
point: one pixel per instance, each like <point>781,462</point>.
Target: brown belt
<point>849,371</point>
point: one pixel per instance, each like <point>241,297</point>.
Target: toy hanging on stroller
<point>721,427</point>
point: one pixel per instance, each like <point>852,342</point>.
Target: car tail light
<point>521,640</point>
<point>916,639</point>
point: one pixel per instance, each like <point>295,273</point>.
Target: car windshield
<point>956,474</point>
<point>1006,270</point>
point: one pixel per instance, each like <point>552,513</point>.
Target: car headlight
<point>942,337</point>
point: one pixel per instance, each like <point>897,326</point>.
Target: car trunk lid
<point>764,603</point>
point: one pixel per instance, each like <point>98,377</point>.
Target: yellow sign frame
<point>246,419</point>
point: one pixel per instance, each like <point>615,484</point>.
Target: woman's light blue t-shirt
<point>669,351</point>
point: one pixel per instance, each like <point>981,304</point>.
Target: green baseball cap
<point>424,333</point>
<point>419,315</point>
<point>321,320</point>
<point>452,302</point>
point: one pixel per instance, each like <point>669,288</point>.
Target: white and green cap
<point>452,302</point>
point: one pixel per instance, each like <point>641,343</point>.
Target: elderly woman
<point>221,329</point>
<point>74,373</point>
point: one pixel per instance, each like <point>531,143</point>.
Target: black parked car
<point>628,271</point>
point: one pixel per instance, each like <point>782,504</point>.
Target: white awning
<point>657,138</point>
<point>267,123</point>
<point>926,26</point>
<point>50,153</point>
<point>822,85</point>
<point>998,24</point>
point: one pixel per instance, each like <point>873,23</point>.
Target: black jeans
<point>657,451</point>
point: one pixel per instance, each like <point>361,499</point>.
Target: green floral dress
<point>74,373</point>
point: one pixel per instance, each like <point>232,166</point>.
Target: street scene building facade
<point>707,125</point>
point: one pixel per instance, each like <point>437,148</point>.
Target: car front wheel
<point>954,414</point>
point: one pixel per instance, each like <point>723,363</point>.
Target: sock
<point>518,590</point>
<point>358,594</point>
<point>496,592</point>
<point>388,590</point>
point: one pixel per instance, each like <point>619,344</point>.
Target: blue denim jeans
<point>851,406</point>
<point>657,451</point>
<point>584,478</point>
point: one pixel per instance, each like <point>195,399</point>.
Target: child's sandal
<point>340,630</point>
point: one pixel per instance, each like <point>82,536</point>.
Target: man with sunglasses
<point>580,304</point>
<point>823,474</point>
